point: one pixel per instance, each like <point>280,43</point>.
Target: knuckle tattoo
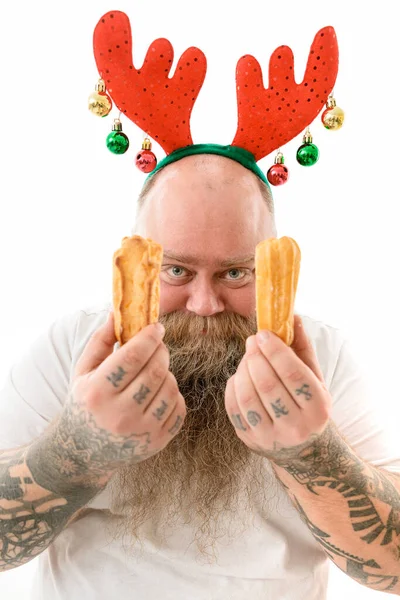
<point>279,408</point>
<point>115,377</point>
<point>176,426</point>
<point>141,395</point>
<point>253,418</point>
<point>160,411</point>
<point>305,391</point>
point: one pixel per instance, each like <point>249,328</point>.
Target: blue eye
<point>238,273</point>
<point>177,271</point>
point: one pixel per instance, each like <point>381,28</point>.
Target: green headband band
<point>240,155</point>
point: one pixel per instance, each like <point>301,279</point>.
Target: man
<point>238,484</point>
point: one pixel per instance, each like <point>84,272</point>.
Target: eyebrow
<point>191,259</point>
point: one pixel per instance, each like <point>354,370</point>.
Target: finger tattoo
<point>237,422</point>
<point>253,417</point>
<point>279,409</point>
<point>304,390</point>
<point>140,396</point>
<point>160,410</point>
<point>176,425</point>
<point>115,378</point>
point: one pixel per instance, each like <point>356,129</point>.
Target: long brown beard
<point>206,476</point>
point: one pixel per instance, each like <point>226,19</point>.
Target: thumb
<point>99,347</point>
<point>303,348</point>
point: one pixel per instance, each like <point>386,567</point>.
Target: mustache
<point>225,326</point>
<point>208,348</point>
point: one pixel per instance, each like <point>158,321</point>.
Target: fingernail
<point>262,336</point>
<point>251,345</point>
<point>160,328</point>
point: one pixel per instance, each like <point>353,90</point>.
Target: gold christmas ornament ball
<point>100,104</point>
<point>333,118</point>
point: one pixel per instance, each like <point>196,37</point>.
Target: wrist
<point>318,449</point>
<point>58,466</point>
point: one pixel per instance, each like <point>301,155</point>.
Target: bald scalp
<point>215,175</point>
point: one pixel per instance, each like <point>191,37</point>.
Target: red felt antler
<point>269,118</point>
<point>159,105</point>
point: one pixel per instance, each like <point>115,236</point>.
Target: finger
<point>146,385</point>
<point>303,348</point>
<point>165,401</point>
<point>173,424</point>
<point>123,366</point>
<point>248,400</point>
<point>300,381</point>
<point>98,348</point>
<point>270,388</point>
<point>232,408</point>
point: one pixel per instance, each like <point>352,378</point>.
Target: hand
<point>277,400</point>
<point>124,406</point>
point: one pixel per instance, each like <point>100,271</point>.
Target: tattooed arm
<point>281,408</point>
<point>351,508</point>
<point>123,407</point>
<point>34,508</point>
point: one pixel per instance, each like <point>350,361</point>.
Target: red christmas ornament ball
<point>278,174</point>
<point>146,161</point>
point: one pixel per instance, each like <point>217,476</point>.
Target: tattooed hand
<point>124,406</point>
<point>277,400</point>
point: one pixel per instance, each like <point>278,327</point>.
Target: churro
<point>136,286</point>
<point>277,274</point>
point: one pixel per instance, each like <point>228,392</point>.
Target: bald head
<point>215,174</point>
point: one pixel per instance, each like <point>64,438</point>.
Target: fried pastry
<point>136,286</point>
<point>277,273</point>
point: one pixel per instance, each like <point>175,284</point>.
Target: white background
<point>66,202</point>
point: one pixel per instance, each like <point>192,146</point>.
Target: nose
<point>203,299</point>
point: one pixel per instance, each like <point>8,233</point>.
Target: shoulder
<point>327,341</point>
<point>82,322</point>
<point>94,315</point>
<point>69,334</point>
<point>87,321</point>
<point>322,334</point>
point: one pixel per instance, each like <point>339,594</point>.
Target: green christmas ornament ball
<point>117,142</point>
<point>307,155</point>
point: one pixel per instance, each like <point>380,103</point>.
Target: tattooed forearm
<point>43,485</point>
<point>75,451</point>
<point>364,571</point>
<point>31,516</point>
<point>357,504</point>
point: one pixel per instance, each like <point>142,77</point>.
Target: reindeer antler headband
<point>162,105</point>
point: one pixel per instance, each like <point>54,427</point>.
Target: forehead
<point>201,259</point>
<point>213,210</point>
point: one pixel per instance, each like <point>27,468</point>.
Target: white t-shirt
<point>275,559</point>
